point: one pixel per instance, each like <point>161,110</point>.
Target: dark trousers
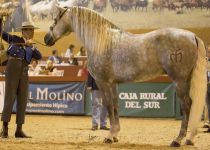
<point>16,86</point>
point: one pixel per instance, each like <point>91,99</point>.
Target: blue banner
<point>56,98</point>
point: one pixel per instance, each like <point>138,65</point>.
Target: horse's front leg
<point>107,96</point>
<point>111,134</point>
<point>117,125</point>
<point>114,124</point>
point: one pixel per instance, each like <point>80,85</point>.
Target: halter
<point>55,22</point>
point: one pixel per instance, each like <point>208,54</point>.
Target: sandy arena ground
<point>73,132</point>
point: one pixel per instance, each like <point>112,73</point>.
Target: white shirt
<point>68,53</point>
<point>34,71</point>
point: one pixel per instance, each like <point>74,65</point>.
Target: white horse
<point>34,8</point>
<point>44,9</point>
<point>116,56</point>
<point>68,3</point>
<point>9,5</point>
<point>19,15</point>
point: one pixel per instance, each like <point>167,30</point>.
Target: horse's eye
<point>55,21</point>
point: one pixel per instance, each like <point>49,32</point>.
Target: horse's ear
<point>60,9</point>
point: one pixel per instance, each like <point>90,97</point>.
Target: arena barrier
<point>70,98</point>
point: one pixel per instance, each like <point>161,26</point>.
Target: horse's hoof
<point>175,144</point>
<point>188,142</point>
<point>107,141</point>
<point>115,139</point>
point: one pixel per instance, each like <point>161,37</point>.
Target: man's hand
<point>29,42</point>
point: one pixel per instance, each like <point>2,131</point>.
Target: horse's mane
<point>97,33</point>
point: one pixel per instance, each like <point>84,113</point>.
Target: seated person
<point>70,55</point>
<point>34,68</point>
<point>82,52</point>
<point>69,51</point>
<point>55,58</point>
<point>49,69</point>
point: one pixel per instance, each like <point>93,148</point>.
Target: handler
<point>20,52</point>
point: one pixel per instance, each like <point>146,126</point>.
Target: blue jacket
<point>16,49</point>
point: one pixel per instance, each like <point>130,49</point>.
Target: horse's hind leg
<point>116,114</point>
<point>182,91</point>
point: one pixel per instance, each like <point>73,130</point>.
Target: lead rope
<point>40,43</point>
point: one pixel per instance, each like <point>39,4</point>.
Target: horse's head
<point>59,28</point>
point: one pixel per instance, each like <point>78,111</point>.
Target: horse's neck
<point>95,33</point>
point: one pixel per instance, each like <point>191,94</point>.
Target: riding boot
<point>4,131</point>
<point>19,132</point>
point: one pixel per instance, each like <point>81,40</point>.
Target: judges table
<point>67,95</point>
<point>70,75</point>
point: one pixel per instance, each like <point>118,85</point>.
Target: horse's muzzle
<point>48,39</point>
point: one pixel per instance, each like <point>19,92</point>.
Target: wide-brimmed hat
<point>27,25</point>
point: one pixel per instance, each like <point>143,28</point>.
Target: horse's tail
<point>198,86</point>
